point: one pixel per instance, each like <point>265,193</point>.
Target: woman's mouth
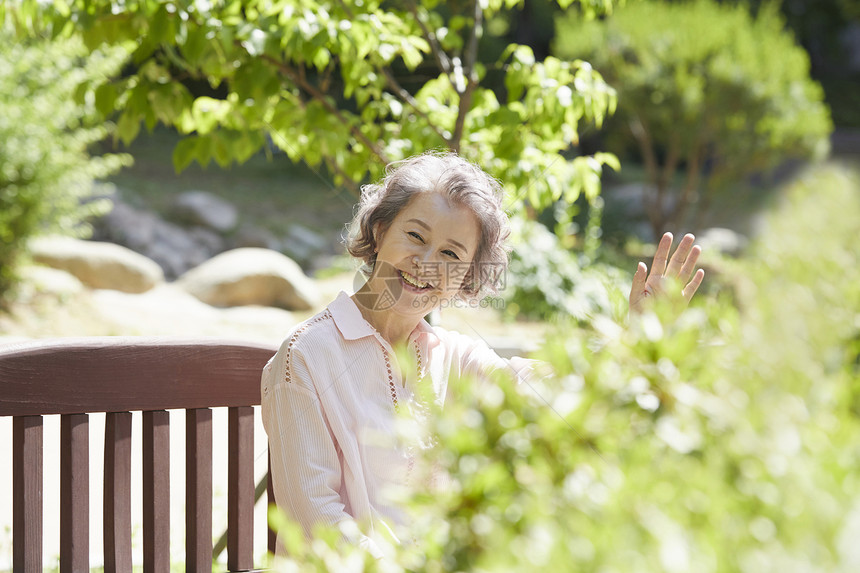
<point>413,283</point>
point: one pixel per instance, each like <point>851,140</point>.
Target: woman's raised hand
<point>678,269</point>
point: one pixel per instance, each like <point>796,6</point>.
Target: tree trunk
<point>654,208</point>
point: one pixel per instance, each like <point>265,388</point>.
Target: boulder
<point>174,248</point>
<point>251,276</point>
<point>205,209</point>
<point>722,240</point>
<point>255,236</point>
<point>311,249</point>
<point>54,281</point>
<point>98,265</point>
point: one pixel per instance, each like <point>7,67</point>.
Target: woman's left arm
<point>477,359</point>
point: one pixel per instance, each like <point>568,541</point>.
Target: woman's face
<point>424,254</point>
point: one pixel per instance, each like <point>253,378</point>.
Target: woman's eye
<point>451,254</point>
<point>416,235</point>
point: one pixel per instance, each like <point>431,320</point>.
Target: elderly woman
<point>432,231</point>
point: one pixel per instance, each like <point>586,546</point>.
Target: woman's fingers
<point>658,267</point>
<point>681,267</point>
<point>637,291</point>
<point>681,257</point>
<point>690,264</point>
<point>693,285</point>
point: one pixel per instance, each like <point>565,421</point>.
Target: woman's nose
<point>423,256</point>
<point>430,261</point>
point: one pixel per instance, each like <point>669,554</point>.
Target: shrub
<point>703,87</point>
<point>47,94</point>
<point>727,441</point>
<point>724,442</point>
<point>546,281</point>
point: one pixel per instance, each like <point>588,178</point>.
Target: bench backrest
<point>119,375</point>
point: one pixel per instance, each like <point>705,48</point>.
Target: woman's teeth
<point>413,281</point>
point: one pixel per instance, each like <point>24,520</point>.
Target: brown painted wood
<point>115,374</point>
<point>198,490</point>
<point>27,494</point>
<point>117,492</point>
<point>240,489</point>
<point>272,539</point>
<point>156,491</point>
<point>74,493</point>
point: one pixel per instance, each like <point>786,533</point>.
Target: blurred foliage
<point>350,85</point>
<point>703,88</point>
<point>818,25</point>
<point>546,280</point>
<point>725,441</point>
<point>47,124</point>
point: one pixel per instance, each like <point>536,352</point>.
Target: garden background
<point>726,440</point>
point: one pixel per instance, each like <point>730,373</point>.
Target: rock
<point>174,248</point>
<point>627,200</point>
<point>207,210</point>
<point>167,310</point>
<point>251,276</point>
<point>253,236</point>
<point>311,239</point>
<point>98,265</point>
<point>54,281</point>
<point>304,245</point>
<point>631,199</point>
<point>722,240</point>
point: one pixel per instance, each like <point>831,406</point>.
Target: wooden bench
<point>117,376</point>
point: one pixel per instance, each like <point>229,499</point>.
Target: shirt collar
<point>352,325</point>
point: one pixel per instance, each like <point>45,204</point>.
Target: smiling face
<point>426,252</point>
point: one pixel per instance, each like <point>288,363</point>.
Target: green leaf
<point>222,149</point>
<point>195,44</point>
<point>204,149</point>
<point>321,59</point>
<point>105,99</point>
<point>184,153</point>
<point>208,113</point>
<point>128,127</point>
<point>255,44</point>
<point>247,145</point>
<point>162,27</point>
<point>609,159</point>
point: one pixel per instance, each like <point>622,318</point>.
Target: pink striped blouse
<point>328,402</point>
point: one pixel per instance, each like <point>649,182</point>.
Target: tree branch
<point>672,157</point>
<point>407,98</point>
<point>398,90</point>
<point>175,59</point>
<point>468,70</point>
<point>442,59</point>
<point>653,208</point>
<point>325,80</point>
<point>301,81</point>
<point>350,183</point>
<point>694,170</point>
<point>320,97</point>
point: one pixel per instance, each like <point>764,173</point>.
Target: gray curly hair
<point>461,182</point>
